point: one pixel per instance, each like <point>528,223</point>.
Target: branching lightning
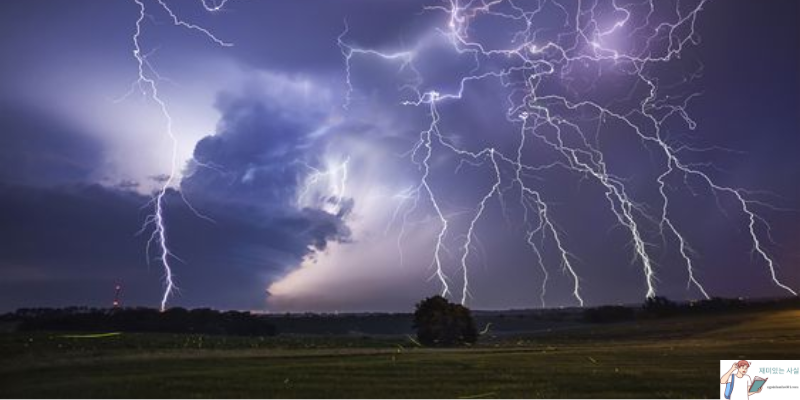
<point>147,85</point>
<point>558,121</point>
<point>334,178</point>
<point>568,124</point>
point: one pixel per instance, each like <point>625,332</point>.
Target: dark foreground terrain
<point>661,358</point>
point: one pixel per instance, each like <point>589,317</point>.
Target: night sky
<point>313,184</point>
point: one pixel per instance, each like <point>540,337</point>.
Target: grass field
<point>668,358</point>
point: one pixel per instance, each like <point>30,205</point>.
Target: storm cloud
<point>64,233</point>
<point>287,200</point>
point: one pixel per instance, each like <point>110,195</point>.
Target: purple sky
<point>316,186</point>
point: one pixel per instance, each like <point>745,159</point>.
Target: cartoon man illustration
<point>738,382</point>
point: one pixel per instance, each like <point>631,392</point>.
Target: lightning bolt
<point>334,194</point>
<point>586,39</point>
<point>147,84</point>
<point>426,142</point>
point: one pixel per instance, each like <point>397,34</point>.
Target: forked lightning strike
<point>147,84</point>
<point>546,118</point>
<point>549,118</point>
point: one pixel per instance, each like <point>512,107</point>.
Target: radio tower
<point>117,289</point>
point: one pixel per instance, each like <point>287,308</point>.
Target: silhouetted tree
<point>441,323</point>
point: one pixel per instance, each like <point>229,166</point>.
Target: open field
<point>634,359</point>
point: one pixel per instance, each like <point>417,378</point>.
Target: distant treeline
<point>173,320</point>
<point>661,307</point>
<point>208,321</point>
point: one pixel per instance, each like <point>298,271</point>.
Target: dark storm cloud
<point>256,157</point>
<point>37,149</point>
<point>71,244</point>
<point>254,164</point>
<point>67,241</point>
<point>250,172</point>
<point>83,236</point>
<point>67,244</point>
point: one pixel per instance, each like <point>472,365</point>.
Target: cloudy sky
<point>570,155</point>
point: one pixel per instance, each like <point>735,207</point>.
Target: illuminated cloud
<point>309,198</point>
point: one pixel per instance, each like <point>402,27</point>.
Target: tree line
<point>173,320</point>
<point>662,307</point>
<point>436,321</point>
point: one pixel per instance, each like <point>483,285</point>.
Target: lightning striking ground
<point>633,41</point>
<point>147,85</point>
